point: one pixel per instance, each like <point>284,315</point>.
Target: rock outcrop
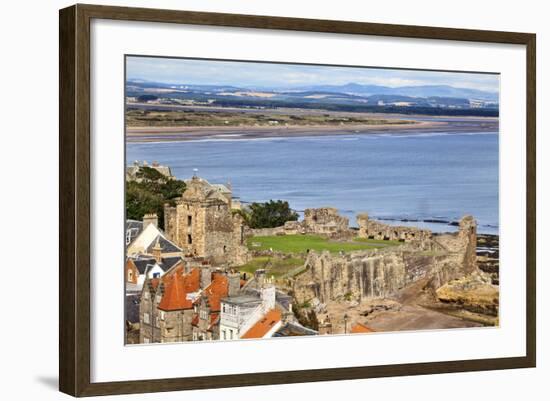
<point>474,293</point>
<point>382,273</point>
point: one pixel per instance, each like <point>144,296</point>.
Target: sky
<point>257,75</point>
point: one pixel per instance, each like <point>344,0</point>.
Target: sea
<point>427,180</point>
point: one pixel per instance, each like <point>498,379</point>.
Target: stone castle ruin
<point>326,221</point>
<point>385,272</point>
<point>202,223</point>
<point>372,229</point>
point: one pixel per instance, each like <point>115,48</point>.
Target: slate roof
<point>143,264</point>
<point>294,330</point>
<point>133,229</point>
<point>132,307</point>
<point>167,245</point>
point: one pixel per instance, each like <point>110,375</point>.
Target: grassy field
<point>167,118</point>
<point>276,267</point>
<point>302,243</point>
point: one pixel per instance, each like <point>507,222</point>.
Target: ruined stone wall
<point>379,231</point>
<point>324,221</point>
<point>385,272</point>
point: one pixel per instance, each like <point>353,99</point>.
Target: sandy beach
<point>160,134</point>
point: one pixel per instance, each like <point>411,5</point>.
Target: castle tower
<point>201,223</point>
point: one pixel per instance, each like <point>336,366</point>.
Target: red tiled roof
<point>177,286</point>
<point>218,289</point>
<point>262,327</point>
<point>361,328</point>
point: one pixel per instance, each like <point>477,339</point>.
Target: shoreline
<point>182,134</point>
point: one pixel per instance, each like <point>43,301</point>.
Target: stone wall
<point>325,221</point>
<point>175,326</point>
<point>381,273</point>
<point>379,231</point>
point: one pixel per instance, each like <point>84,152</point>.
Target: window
<point>161,315</point>
<point>128,236</point>
<point>189,220</point>
<point>157,321</point>
<point>146,295</point>
<point>230,334</point>
<point>130,275</point>
<point>223,335</point>
<point>146,318</point>
<point>146,340</point>
<point>157,299</point>
<point>189,239</point>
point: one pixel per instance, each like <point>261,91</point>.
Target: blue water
<point>414,176</point>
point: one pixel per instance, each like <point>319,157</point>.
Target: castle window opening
<point>130,275</point>
<point>189,220</point>
<point>189,239</point>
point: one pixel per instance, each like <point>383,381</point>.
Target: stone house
<point>175,309</point>
<point>203,224</point>
<point>206,322</point>
<point>149,325</point>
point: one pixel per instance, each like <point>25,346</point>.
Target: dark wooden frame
<point>74,199</point>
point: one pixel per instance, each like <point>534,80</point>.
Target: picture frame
<point>76,204</point>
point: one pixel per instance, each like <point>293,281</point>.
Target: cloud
<point>258,74</point>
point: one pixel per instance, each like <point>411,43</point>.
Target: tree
<point>270,214</point>
<point>150,192</point>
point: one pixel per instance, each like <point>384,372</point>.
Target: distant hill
<point>424,99</point>
<point>413,91</point>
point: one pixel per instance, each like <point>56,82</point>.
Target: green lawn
<point>276,267</point>
<point>301,243</point>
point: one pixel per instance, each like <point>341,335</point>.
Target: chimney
<point>259,275</point>
<point>267,295</point>
<point>157,251</point>
<point>206,277</point>
<point>234,279</point>
<point>150,218</point>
